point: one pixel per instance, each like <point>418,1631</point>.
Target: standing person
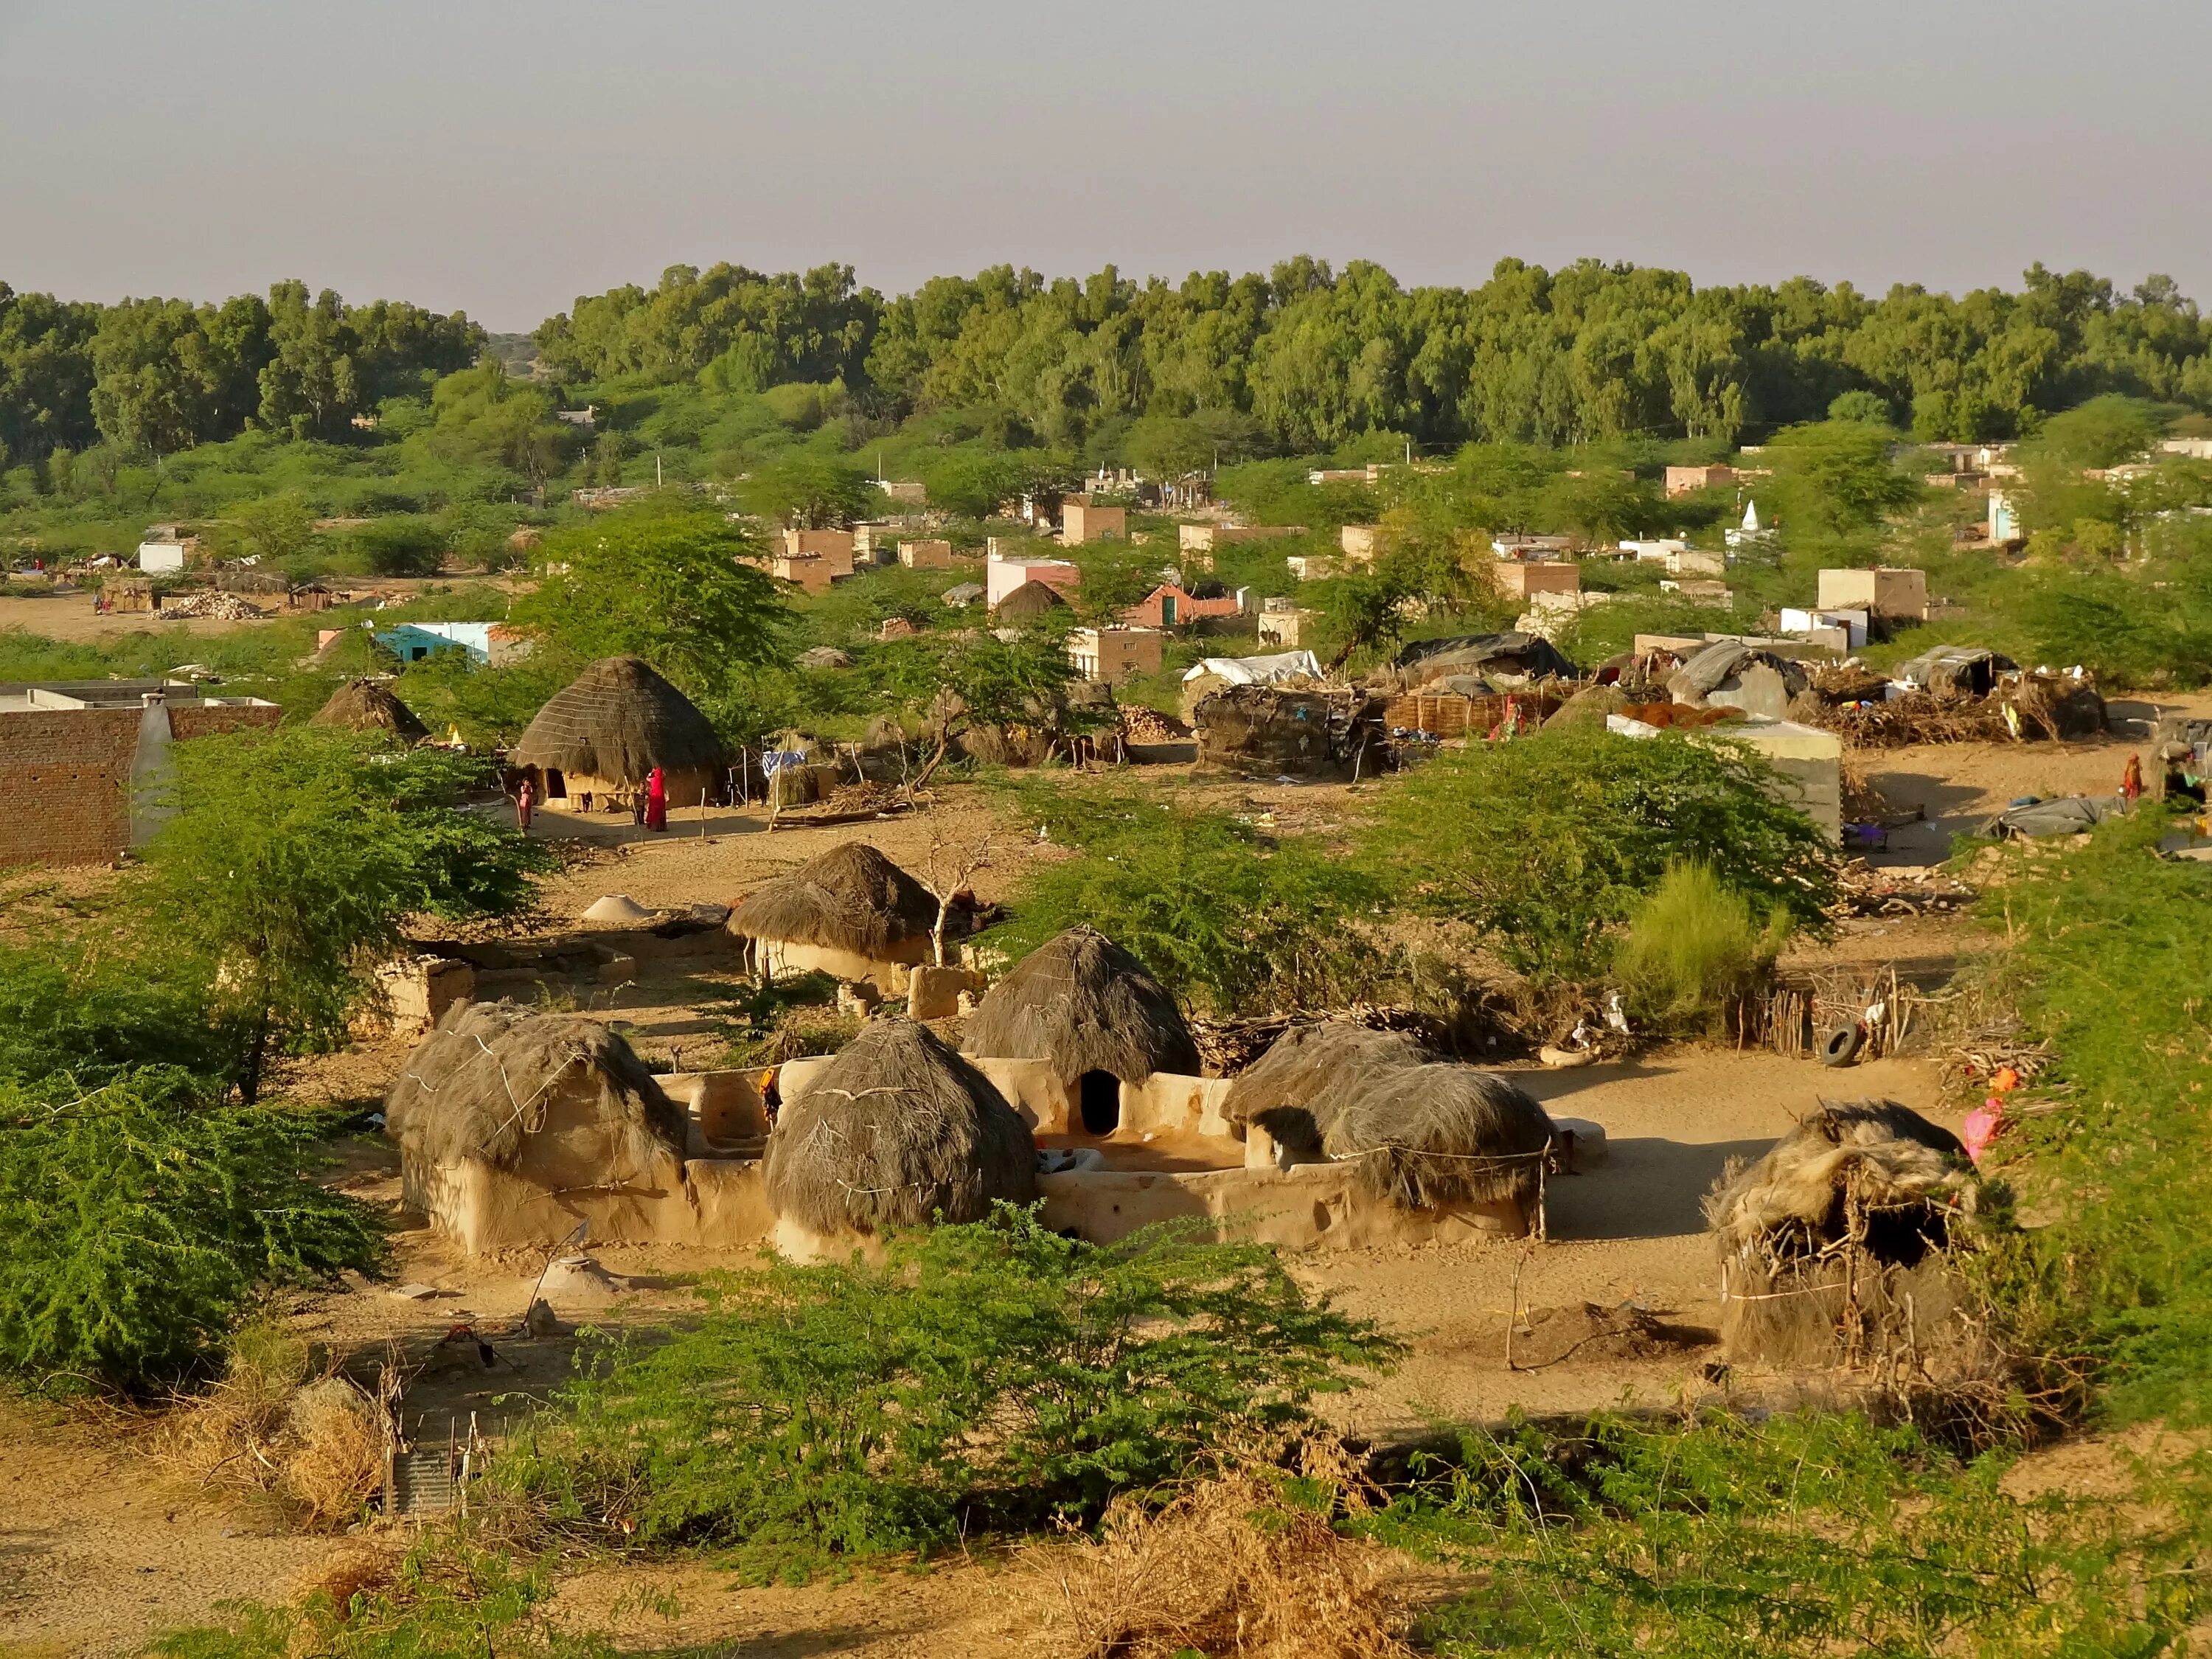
<point>2131,780</point>
<point>525,803</point>
<point>656,801</point>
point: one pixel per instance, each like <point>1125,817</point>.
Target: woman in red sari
<point>656,801</point>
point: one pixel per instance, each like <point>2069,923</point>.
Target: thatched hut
<point>850,912</point>
<point>513,1126</point>
<point>605,734</point>
<point>370,705</point>
<point>1027,602</point>
<point>1087,1008</point>
<point>1834,1244</point>
<point>897,1131</point>
<point>1429,1134</point>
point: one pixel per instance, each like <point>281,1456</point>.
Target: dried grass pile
<point>1429,1133</point>
<point>616,721</point>
<point>1229,1567</point>
<point>366,705</point>
<point>1836,1245</point>
<point>898,1131</point>
<point>275,1433</point>
<point>1084,1004</point>
<point>850,898</point>
<point>482,1083</point>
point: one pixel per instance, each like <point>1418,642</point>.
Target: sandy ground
<point>70,616</point>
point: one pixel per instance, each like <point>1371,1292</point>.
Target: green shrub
<point>139,1222</point>
<point>1548,843</point>
<point>1224,917</point>
<point>1693,950</point>
<point>983,1375</point>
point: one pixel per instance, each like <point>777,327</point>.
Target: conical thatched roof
<point>477,1086</point>
<point>898,1131</point>
<point>1030,599</point>
<point>1083,1003</point>
<point>1427,1132</point>
<point>618,720</point>
<point>850,898</point>
<point>370,705</point>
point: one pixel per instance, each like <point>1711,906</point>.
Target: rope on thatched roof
<point>850,898</point>
<point>898,1131</point>
<point>1086,1005</point>
<point>475,1087</point>
<point>617,720</point>
<point>370,705</point>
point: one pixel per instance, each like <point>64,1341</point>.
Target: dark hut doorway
<point>1100,1098</point>
<point>556,787</point>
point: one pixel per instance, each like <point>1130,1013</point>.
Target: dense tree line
<point>1314,357</point>
<point>160,375</point>
<point>1303,359</point>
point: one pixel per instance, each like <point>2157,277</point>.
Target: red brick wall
<point>64,775</point>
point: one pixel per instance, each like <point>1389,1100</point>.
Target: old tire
<point>1841,1046</point>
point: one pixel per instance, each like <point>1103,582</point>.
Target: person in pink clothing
<point>656,801</point>
<point>525,803</point>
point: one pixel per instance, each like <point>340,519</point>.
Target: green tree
<point>955,686</point>
<point>1547,842</point>
<point>309,388</point>
<point>482,415</point>
<point>1844,471</point>
<point>811,492</point>
<point>288,862</point>
<point>665,585</point>
<point>274,529</point>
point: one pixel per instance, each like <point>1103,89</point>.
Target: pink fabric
<point>656,801</point>
<point>1982,1126</point>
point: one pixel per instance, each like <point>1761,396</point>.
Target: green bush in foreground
<point>983,1376</point>
<point>1694,950</point>
<point>138,1222</point>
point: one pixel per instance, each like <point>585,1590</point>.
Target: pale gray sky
<point>506,155</point>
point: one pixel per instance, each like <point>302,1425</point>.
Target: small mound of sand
<point>581,1281</point>
<point>618,907</point>
<point>1588,1333</point>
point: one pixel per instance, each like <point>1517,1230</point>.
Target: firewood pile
<point>1143,724</point>
<point>209,603</point>
<point>1980,1054</point>
<point>1226,1047</point>
<point>1914,718</point>
<point>1860,891</point>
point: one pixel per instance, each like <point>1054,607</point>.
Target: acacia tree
<point>958,685</point>
<point>289,864</point>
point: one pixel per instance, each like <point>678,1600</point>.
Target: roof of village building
<point>850,898</point>
<point>366,705</point>
<point>1082,1002</point>
<point>617,720</point>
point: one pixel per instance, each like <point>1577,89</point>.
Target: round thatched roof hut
<point>370,705</point>
<point>1429,1133</point>
<point>1086,1004</point>
<point>897,1131</point>
<point>615,723</point>
<point>514,1125</point>
<point>1840,1232</point>
<point>850,912</point>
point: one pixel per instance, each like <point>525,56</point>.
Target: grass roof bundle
<point>480,1084</point>
<point>370,705</point>
<point>1835,1243</point>
<point>1030,599</point>
<point>1427,1133</point>
<point>1082,1002</point>
<point>616,721</point>
<point>850,898</point>
<point>898,1131</point>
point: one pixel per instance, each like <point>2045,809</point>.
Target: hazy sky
<point>506,155</point>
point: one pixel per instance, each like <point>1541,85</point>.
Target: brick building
<point>73,753</point>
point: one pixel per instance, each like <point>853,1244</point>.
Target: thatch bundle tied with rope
<point>898,1131</point>
<point>1835,1245</point>
<point>1429,1133</point>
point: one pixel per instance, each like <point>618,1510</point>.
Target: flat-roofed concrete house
<point>1080,522</point>
<point>1107,656</point>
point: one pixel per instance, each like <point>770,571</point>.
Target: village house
<point>811,573</point>
<point>1003,574</point>
<point>1213,538</point>
<point>1360,543</point>
<point>2004,525</point>
<point>1107,656</point>
<point>1530,547</point>
<point>1516,580</point>
<point>1172,605</point>
<point>833,547</point>
<point>1686,480</point>
<point>1284,624</point>
<point>81,761</point>
<point>1886,591</point>
<point>926,555</point>
<point>1080,522</point>
<point>492,645</point>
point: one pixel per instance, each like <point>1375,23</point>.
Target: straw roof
<point>1908,1176</point>
<point>1427,1132</point>
<point>897,1132</point>
<point>850,898</point>
<point>477,1086</point>
<point>1086,1005</point>
<point>1030,599</point>
<point>370,705</point>
<point>617,720</point>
